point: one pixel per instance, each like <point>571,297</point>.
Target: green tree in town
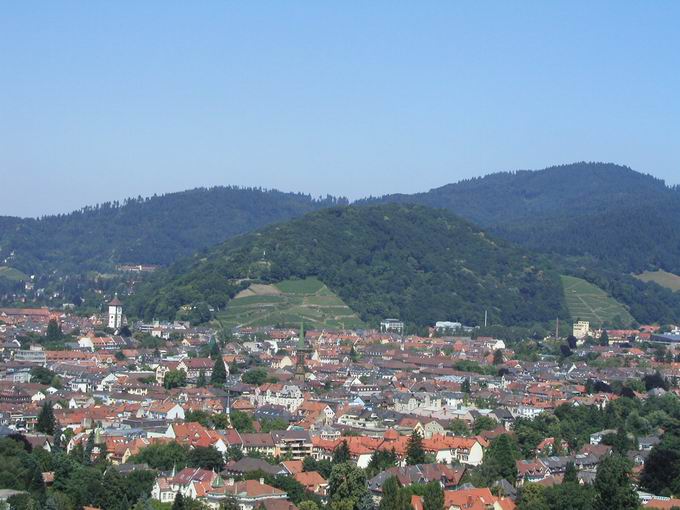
<point>309,464</point>
<point>458,427</point>
<point>256,376</point>
<point>113,493</point>
<point>393,497</point>
<point>56,439</point>
<point>54,333</point>
<point>241,421</point>
<point>219,373</point>
<point>347,486</point>
<point>661,473</point>
<point>380,461</point>
<point>215,352</point>
<point>570,474</point>
<point>162,456</point>
<point>532,497</point>
<point>619,441</point>
<point>500,460</point>
<point>205,457</point>
<point>655,380</point>
<point>42,375</point>
<point>46,422</point>
<point>201,381</point>
<point>613,488</point>
<point>342,504</point>
<point>178,504</point>
<point>36,485</point>
<point>22,502</point>
<point>498,357</point>
<point>604,338</point>
<point>434,496</point>
<point>174,379</point>
<point>235,452</point>
<point>484,423</point>
<point>89,447</point>
<point>570,496</point>
<point>415,453</point>
<point>366,502</point>
<point>308,505</point>
<point>323,467</point>
<point>273,424</point>
<point>230,503</point>
<point>341,453</point>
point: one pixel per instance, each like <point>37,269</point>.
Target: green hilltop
<point>407,261</point>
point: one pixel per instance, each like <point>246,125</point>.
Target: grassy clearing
<point>256,300</point>
<point>300,287</point>
<point>291,302</point>
<point>10,273</point>
<point>669,280</point>
<point>588,302</point>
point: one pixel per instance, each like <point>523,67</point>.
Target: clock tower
<point>115,313</point>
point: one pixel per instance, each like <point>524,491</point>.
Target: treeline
<point>628,238</point>
<point>554,194</point>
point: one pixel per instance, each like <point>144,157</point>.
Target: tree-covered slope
<point>640,236</point>
<point>406,261</point>
<point>156,230</point>
<point>566,190</point>
<point>625,219</point>
<point>621,217</point>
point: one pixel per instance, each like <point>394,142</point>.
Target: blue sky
<point>103,100</point>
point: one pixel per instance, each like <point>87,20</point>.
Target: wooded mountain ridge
<point>407,261</point>
<point>599,221</point>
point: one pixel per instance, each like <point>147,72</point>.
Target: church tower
<point>115,313</point>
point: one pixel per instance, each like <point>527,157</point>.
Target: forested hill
<point>156,230</point>
<point>506,197</point>
<point>625,219</point>
<point>405,261</point>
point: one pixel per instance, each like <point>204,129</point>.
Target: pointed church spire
<point>217,480</point>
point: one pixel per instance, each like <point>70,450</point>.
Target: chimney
<point>261,481</point>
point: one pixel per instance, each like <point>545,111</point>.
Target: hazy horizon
<point>106,101</point>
